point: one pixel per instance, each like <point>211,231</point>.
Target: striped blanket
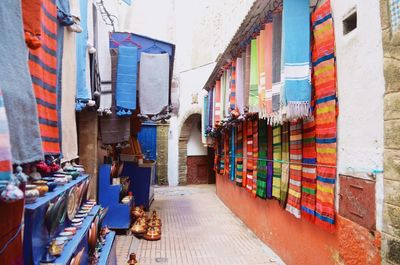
<point>43,68</point>
<point>227,164</point>
<point>5,146</point>
<point>244,174</point>
<point>232,155</point>
<point>250,162</point>
<point>309,178</point>
<point>325,117</point>
<point>218,110</point>
<point>294,197</point>
<point>232,97</point>
<point>240,85</point>
<point>277,155</point>
<point>239,154</point>
<point>270,158</point>
<point>255,155</point>
<point>285,164</point>
<point>262,160</point>
<point>276,69</point>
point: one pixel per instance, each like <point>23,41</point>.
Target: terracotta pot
<point>31,193</point>
<point>42,187</point>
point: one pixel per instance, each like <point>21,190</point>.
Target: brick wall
<point>391,214</point>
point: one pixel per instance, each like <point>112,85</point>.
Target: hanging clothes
<point>262,160</point>
<point>32,22</point>
<point>239,154</point>
<point>276,69</point>
<point>19,99</point>
<point>293,203</point>
<point>211,103</point>
<point>218,110</point>
<point>254,78</point>
<point>268,70</point>
<point>277,165</point>
<point>240,85</point>
<point>228,77</point>
<point>309,176</point>
<point>247,63</point>
<point>296,25</point>
<point>325,114</point>
<point>261,44</point>
<point>153,83</point>
<point>285,164</point>
<point>43,65</point>
<point>126,80</point>
<point>232,99</point>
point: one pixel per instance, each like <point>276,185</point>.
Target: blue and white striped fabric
<point>395,14</point>
<point>296,45</point>
<point>126,80</point>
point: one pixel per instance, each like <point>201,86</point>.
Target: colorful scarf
<point>276,69</point>
<point>232,155</point>
<point>43,68</point>
<point>228,77</point>
<point>239,85</point>
<point>255,155</point>
<point>277,155</point>
<point>296,25</point>
<point>125,94</point>
<point>227,154</point>
<point>244,174</point>
<point>285,164</point>
<point>239,154</point>
<point>254,78</point>
<point>218,111</point>
<point>262,159</point>
<point>211,108</point>
<point>309,178</point>
<point>270,157</point>
<point>5,147</point>
<point>250,162</point>
<point>205,113</point>
<point>261,40</point>
<point>247,63</point>
<point>325,117</point>
<point>232,98</point>
<point>268,69</point>
<point>293,202</point>
<point>223,95</point>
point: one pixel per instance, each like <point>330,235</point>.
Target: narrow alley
<point>197,229</point>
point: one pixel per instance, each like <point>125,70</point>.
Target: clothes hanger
<point>155,46</point>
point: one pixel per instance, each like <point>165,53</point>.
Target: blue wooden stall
<point>147,137</point>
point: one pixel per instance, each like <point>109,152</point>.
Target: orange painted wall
<point>297,241</point>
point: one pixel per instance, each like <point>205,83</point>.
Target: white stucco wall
<point>195,146</point>
<point>360,89</point>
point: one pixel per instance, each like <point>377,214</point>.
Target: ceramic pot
<point>52,185</point>
<point>31,193</point>
<point>41,187</point>
<point>56,248</point>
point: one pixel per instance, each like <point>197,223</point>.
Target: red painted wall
<point>297,241</point>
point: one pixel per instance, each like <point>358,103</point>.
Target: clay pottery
<point>62,238</point>
<point>56,248</point>
<point>137,212</point>
<point>72,204</point>
<point>71,230</point>
<point>92,238</point>
<point>31,193</point>
<point>52,185</point>
<point>152,234</point>
<point>132,259</point>
<point>77,259</point>
<point>138,229</point>
<point>67,234</point>
<point>154,223</point>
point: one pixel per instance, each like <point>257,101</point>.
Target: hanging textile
<point>211,103</point>
<point>250,162</point>
<point>268,70</point>
<point>309,177</point>
<point>239,154</point>
<point>227,154</point>
<point>255,155</point>
<point>205,114</point>
<point>285,164</point>
<point>153,82</point>
<point>18,96</point>
<point>325,114</point>
<point>5,147</point>
<point>247,63</point>
<point>83,94</point>
<point>254,78</point>
<point>276,69</point>
<point>293,202</point>
<point>32,22</point>
<point>277,154</point>
<point>221,142</point>
<point>43,68</point>
<point>223,92</point>
<point>232,157</point>
<point>262,160</point>
<point>217,114</point>
<point>126,80</point>
<point>228,91</point>
<point>296,25</point>
<point>261,41</point>
<point>244,173</point>
<point>217,156</point>
<point>270,157</point>
<point>232,99</point>
<point>239,85</point>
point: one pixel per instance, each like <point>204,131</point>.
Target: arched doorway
<point>194,162</point>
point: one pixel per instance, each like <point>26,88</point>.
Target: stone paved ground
<point>197,229</point>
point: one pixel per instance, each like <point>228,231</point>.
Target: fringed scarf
<point>268,69</point>
<point>296,25</point>
<point>309,178</point>
<point>239,154</point>
<point>247,64</point>
<point>254,78</point>
<point>43,67</point>
<point>277,155</point>
<point>270,157</point>
<point>285,164</point>
<point>232,155</point>
<point>293,202</point>
<point>250,162</point>
<point>262,160</point>
<point>261,40</point>
<point>5,147</point>
<point>218,110</point>
<point>232,98</point>
<point>276,69</point>
<point>325,116</point>
<point>255,155</point>
<point>240,85</point>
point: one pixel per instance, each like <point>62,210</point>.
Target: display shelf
<point>71,247</point>
<point>108,255</point>
<point>53,194</point>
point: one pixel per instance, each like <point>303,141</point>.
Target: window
<point>350,22</point>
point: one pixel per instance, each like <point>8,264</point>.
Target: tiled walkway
<point>197,229</point>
